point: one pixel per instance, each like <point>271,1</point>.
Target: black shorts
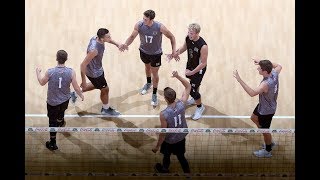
<point>264,120</point>
<point>195,80</point>
<point>155,60</point>
<point>177,148</point>
<point>57,112</point>
<point>98,82</point>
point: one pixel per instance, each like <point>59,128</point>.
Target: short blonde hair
<point>195,26</point>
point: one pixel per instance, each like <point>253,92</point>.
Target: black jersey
<point>193,48</point>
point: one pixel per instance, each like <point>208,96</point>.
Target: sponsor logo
<point>230,130</point>
<point>141,130</point>
<point>263,131</point>
<point>163,130</point>
<point>152,130</point>
<point>197,130</point>
<point>185,130</point>
<point>218,130</point>
<point>64,129</point>
<point>44,129</point>
<point>96,129</point>
<point>119,130</point>
<point>86,129</point>
<point>285,131</point>
<point>208,130</point>
<point>274,131</point>
<point>129,130</point>
<point>30,129</point>
<point>108,130</point>
<point>174,130</point>
<point>241,131</point>
<point>252,131</point>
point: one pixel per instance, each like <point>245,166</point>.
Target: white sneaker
<point>262,153</point>
<point>198,113</point>
<point>145,88</point>
<point>191,102</point>
<point>154,100</point>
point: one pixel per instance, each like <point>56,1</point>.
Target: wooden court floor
<point>234,31</point>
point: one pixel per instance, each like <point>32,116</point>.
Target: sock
<point>148,79</point>
<point>105,106</point>
<point>268,147</point>
<point>199,105</point>
<point>154,90</point>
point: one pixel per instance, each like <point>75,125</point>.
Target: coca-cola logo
<point>129,130</point>
<point>86,129</point>
<point>108,130</point>
<point>241,131</point>
<point>285,131</point>
<point>64,129</point>
<point>174,130</point>
<point>44,129</point>
<point>152,130</point>
<point>263,131</point>
<point>218,130</point>
<point>197,130</point>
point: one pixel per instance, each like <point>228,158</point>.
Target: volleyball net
<point>128,151</point>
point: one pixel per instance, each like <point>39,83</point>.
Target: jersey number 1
<point>60,79</point>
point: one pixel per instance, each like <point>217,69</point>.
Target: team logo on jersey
<point>196,49</point>
<point>154,33</point>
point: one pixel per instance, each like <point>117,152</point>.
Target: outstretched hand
<point>175,74</point>
<point>255,60</point>
<point>236,75</point>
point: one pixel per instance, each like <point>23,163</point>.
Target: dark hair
<point>266,65</point>
<point>169,94</point>
<point>150,14</point>
<point>101,32</point>
<point>62,56</point>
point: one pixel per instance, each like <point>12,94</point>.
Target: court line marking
<point>151,116</point>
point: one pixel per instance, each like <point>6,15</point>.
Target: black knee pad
<point>60,122</point>
<point>196,95</point>
<point>53,122</point>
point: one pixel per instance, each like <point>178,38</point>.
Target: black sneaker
<point>159,168</point>
<point>51,146</point>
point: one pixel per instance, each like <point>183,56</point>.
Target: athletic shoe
<point>198,113</point>
<point>109,111</point>
<point>51,146</point>
<point>145,88</point>
<point>154,100</point>
<point>262,153</point>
